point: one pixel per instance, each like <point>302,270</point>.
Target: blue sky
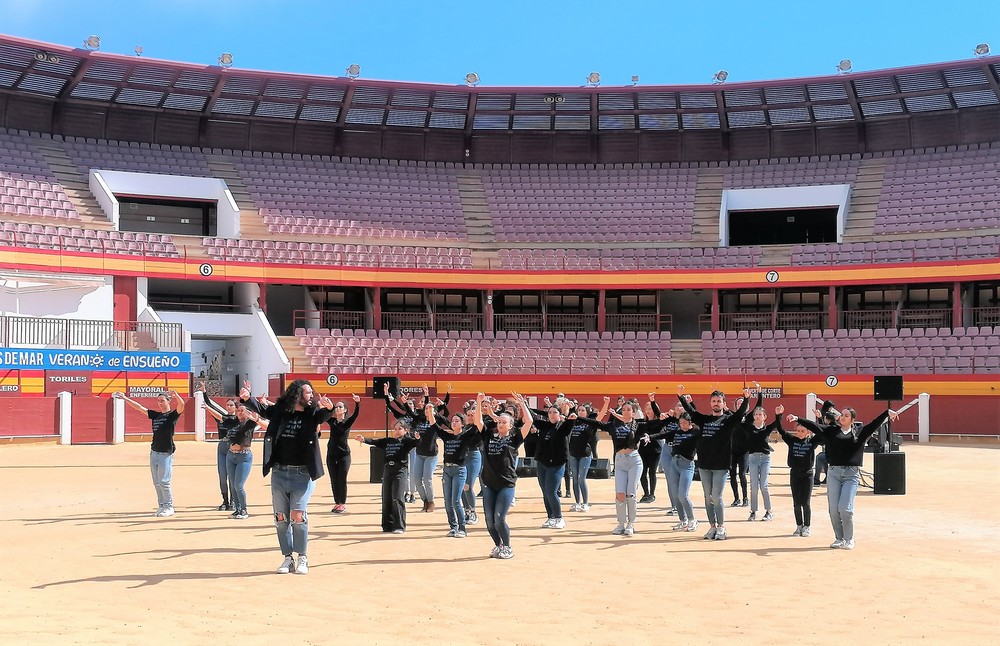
<point>520,42</point>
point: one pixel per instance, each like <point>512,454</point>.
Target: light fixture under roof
<point>844,66</point>
<point>353,71</point>
<point>982,49</point>
<point>720,76</point>
<point>226,59</point>
<point>138,50</point>
<point>594,79</point>
<point>93,43</point>
<point>472,79</point>
<point>635,79</point>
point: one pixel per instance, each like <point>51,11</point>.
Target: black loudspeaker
<point>526,468</point>
<point>600,469</point>
<point>377,457</point>
<point>378,386</point>
<point>890,473</point>
<point>888,388</point>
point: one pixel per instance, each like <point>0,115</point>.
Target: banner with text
<point>20,358</point>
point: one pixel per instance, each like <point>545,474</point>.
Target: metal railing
<point>894,319</point>
<point>861,366</point>
<point>407,321</point>
<point>458,321</point>
<point>84,334</point>
<point>331,319</point>
<point>983,316</point>
<point>639,322</point>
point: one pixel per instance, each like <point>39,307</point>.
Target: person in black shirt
<point>756,431</point>
<point>405,410</point>
<point>801,449</point>
<point>396,452</point>
<point>500,444</point>
<point>161,453</point>
<point>581,455</point>
<point>225,420</point>
<point>650,455</point>
<point>291,451</point>
<point>239,460</point>
<point>682,437</point>
<point>551,454</point>
<point>473,466</point>
<point>459,440</point>
<point>844,451</point>
<point>338,452</point>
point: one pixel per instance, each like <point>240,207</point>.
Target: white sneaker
<point>461,533</point>
<point>452,532</point>
<point>629,530</point>
<point>837,544</point>
<point>710,535</point>
<point>166,511</point>
<point>720,534</point>
<point>618,531</point>
<point>805,530</point>
<point>574,507</point>
<point>680,526</point>
<point>496,552</point>
<point>767,516</point>
<point>286,566</point>
<point>585,506</point>
<point>548,523</point>
<point>558,523</point>
<point>848,545</point>
<point>692,525</point>
<point>798,531</point>
<point>506,553</point>
<point>671,512</point>
<point>302,565</point>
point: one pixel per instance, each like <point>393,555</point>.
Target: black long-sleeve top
<point>844,448</point>
<point>652,450</point>
<point>801,453</point>
<point>292,438</point>
<point>682,443</point>
<point>581,439</point>
<point>625,435</point>
<point>338,445</point>
<point>400,412</point>
<point>227,424</point>
<point>551,448</point>
<point>395,449</point>
<point>741,434</point>
<point>715,444</point>
<point>242,435</point>
<point>458,447</point>
<point>428,444</point>
<point>500,458</point>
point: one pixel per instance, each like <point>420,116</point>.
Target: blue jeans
<point>681,474</point>
<point>713,481</point>
<point>496,504</point>
<point>453,482</point>
<point>628,468</point>
<point>549,479</point>
<point>666,464</point>
<point>161,466</point>
<point>222,459</point>
<point>841,487</point>
<point>237,471</point>
<point>473,467</point>
<point>422,474</point>
<point>412,476</point>
<point>291,488</point>
<point>578,468</point>
<point>760,467</point>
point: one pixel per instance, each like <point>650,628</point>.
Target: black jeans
<point>338,466</point>
<point>650,461</point>
<point>802,488</point>
<point>738,464</point>
<point>394,485</point>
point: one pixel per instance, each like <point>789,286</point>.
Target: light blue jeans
<point>841,487</point>
<point>628,468</point>
<point>681,475</point>
<point>161,466</point>
<point>713,481</point>
<point>237,471</point>
<point>473,466</point>
<point>422,474</point>
<point>496,504</point>
<point>578,468</point>
<point>222,461</point>
<point>666,465</point>
<point>453,480</point>
<point>549,479</point>
<point>760,467</point>
<point>291,488</point>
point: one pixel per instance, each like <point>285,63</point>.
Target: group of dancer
<point>483,441</point>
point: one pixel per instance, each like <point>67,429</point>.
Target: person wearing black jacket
<point>338,451</point>
<point>551,455</point>
<point>845,451</point>
<point>715,449</point>
<point>801,448</point>
<point>396,452</point>
<point>291,451</point>
<point>500,444</point>
<point>405,411</point>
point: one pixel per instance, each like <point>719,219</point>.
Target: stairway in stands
<point>687,356</point>
<point>707,202</point>
<point>864,200</point>
<point>75,184</point>
<point>296,353</point>
<point>251,224</point>
<point>478,219</point>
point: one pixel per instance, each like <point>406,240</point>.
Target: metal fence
<point>83,334</point>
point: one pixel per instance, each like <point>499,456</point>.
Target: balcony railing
<point>83,334</point>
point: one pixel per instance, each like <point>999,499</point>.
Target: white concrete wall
<point>800,197</point>
<point>85,297</point>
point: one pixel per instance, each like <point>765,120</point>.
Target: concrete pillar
<point>65,400</point>
<point>199,416</point>
<point>810,406</point>
<point>924,417</point>
<point>118,421</point>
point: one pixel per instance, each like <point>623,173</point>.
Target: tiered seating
<point>628,203</point>
<point>28,187</point>
<point>941,191</point>
<point>136,158</point>
<point>390,352</point>
<point>323,196</point>
<point>75,239</point>
<point>923,250</point>
<point>783,172</point>
<point>349,255</point>
<point>630,258</point>
<point>917,350</point>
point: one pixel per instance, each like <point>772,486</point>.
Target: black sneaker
<point>225,507</point>
<point>746,503</point>
<point>736,503</point>
<point>644,498</point>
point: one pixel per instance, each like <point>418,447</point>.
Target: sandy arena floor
<point>85,562</point>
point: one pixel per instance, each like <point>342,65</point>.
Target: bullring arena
<point>168,225</point>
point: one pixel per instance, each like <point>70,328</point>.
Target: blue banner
<point>35,359</point>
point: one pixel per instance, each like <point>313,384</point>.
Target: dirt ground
<point>85,562</point>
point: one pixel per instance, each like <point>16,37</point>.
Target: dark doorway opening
<point>783,226</point>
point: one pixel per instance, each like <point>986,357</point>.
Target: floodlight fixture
<point>43,57</point>
<point>353,71</point>
<point>93,43</point>
<point>472,79</point>
<point>226,59</point>
<point>720,77</point>
<point>845,66</point>
<point>982,49</point>
<point>635,79</point>
<point>594,79</point>
<point>138,50</point>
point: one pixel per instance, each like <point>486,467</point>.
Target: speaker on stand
<point>377,455</point>
<point>890,466</point>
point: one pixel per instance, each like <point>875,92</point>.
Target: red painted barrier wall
<point>29,416</point>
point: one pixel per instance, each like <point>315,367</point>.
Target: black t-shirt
<point>715,444</point>
<point>428,445</point>
<point>243,434</point>
<point>625,435</point>
<point>457,447</point>
<point>396,450</point>
<point>757,437</point>
<point>801,453</point>
<point>339,431</point>
<point>845,448</point>
<point>500,458</point>
<point>227,425</point>
<point>581,439</point>
<point>550,446</point>
<point>163,430</point>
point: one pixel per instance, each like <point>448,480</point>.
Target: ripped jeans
<point>291,488</point>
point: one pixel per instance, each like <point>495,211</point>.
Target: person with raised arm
<point>473,466</point>
<point>714,449</point>
<point>239,460</point>
<point>755,431</point>
<point>650,452</point>
<point>162,447</point>
<point>681,436</point>
<point>581,455</point>
<point>499,476</point>
<point>291,452</point>
<point>226,421</point>
<point>551,455</point>
<point>802,445</point>
<point>396,451</point>
<point>844,453</point>
<point>338,451</point>
<point>459,439</point>
<point>425,459</point>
